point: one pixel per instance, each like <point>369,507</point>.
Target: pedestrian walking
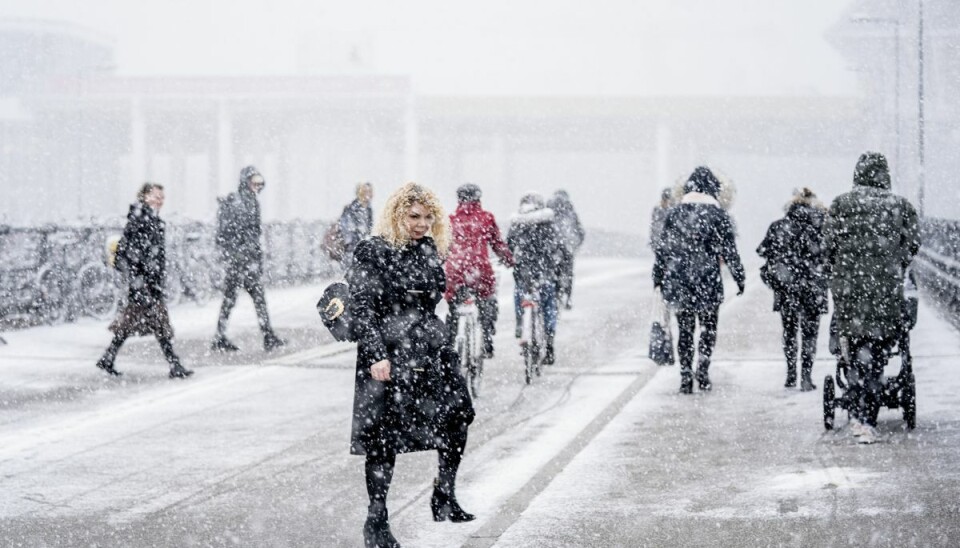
<point>238,241</point>
<point>409,394</point>
<point>356,221</point>
<point>795,269</point>
<point>142,254</point>
<point>871,236</point>
<point>697,235</point>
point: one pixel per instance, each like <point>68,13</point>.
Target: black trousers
<point>799,318</point>
<point>868,358</point>
<point>687,322</point>
<point>246,277</point>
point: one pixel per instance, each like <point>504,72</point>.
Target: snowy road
<point>600,451</point>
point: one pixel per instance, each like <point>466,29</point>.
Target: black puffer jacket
<point>795,256</point>
<point>537,246</point>
<point>239,229</point>
<point>144,253</point>
<point>696,235</point>
<point>394,294</point>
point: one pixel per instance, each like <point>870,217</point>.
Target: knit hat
<point>872,170</point>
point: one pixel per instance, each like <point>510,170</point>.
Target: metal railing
<point>938,263</point>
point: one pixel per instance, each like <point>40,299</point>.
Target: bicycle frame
<point>468,341</point>
<point>532,336</point>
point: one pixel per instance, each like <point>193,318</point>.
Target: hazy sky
<point>652,47</point>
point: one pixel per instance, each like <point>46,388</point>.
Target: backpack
<point>333,242</point>
<point>336,312</point>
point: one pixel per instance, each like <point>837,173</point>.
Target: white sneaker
<point>869,435</point>
<point>856,428</point>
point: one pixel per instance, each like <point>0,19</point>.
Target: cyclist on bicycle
<point>539,254</point>
<point>468,265</point>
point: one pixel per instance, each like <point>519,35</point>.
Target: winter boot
<point>179,372</point>
<point>686,380</point>
<point>703,379</point>
<point>548,357</point>
<point>106,363</point>
<point>272,342</point>
<point>444,505</point>
<point>806,383</point>
<point>487,349</point>
<point>791,376</point>
<point>376,530</point>
<point>222,344</point>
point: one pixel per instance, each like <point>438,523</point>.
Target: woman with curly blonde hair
<point>409,394</point>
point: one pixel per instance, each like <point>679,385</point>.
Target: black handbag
<point>335,311</point>
<point>661,345</point>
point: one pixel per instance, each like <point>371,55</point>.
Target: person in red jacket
<point>473,229</point>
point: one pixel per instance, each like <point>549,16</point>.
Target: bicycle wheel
<point>529,362</point>
<point>50,303</point>
<point>99,293</point>
<point>541,339</point>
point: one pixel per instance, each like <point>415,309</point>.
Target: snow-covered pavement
<point>600,451</point>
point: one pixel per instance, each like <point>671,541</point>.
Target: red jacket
<point>468,264</point>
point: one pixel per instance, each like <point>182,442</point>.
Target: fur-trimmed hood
<point>537,216</point>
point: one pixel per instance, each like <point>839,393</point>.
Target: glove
<point>740,286</point>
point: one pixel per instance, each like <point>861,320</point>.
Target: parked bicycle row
<point>56,273</point>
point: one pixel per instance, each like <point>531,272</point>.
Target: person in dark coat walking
<point>409,394</point>
<point>539,255</point>
<point>474,230</point>
<point>356,221</point>
<point>795,271</point>
<point>659,215</point>
<point>141,256</point>
<point>572,235</point>
<point>238,240</point>
<point>697,235</point>
<point>871,236</point>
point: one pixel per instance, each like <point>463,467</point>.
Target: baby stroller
<point>897,392</point>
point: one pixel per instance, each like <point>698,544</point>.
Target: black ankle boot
<point>272,342</point>
<point>791,376</point>
<point>445,506</point>
<point>179,372</point>
<point>376,530</point>
<point>548,358</point>
<point>106,364</point>
<point>703,378</point>
<point>806,383</point>
<point>686,381</point>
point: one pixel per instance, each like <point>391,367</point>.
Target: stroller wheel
<point>828,404</point>
<point>908,401</point>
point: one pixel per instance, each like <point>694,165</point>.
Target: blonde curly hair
<point>390,225</point>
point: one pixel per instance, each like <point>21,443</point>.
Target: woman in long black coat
<point>697,234</point>
<point>409,394</point>
<point>795,271</point>
<point>141,254</point>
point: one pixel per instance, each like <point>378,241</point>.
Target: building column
<point>411,139</point>
<point>138,141</point>
<point>225,167</point>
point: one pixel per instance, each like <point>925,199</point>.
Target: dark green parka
<point>871,236</point>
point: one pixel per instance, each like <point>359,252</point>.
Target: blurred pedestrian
<point>572,235</point>
<point>871,236</point>
<point>697,235</point>
<point>238,241</point>
<point>795,271</point>
<point>142,252</point>
<point>356,221</point>
<point>409,393</point>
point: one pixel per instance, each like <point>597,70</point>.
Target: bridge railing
<point>938,263</point>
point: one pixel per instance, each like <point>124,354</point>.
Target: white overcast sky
<point>617,47</point>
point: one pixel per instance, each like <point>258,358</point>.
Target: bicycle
<point>190,271</point>
<point>532,334</point>
<point>73,280</point>
<point>469,340</point>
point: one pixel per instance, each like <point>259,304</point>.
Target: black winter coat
<point>143,254</point>
<point>239,229</point>
<point>795,256</point>
<point>696,235</point>
<point>394,294</point>
<point>538,248</point>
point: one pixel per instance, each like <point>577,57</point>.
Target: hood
<point>872,171</point>
<point>536,216</point>
<point>804,198</point>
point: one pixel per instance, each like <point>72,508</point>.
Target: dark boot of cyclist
<point>548,357</point>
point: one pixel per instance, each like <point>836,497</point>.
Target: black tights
<point>796,318</point>
<point>166,344</point>
<point>378,470</point>
<point>687,321</point>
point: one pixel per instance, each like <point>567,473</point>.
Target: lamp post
<point>921,123</point>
